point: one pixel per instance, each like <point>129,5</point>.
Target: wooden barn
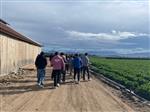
<point>16,50</point>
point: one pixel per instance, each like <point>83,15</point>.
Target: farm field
<point>132,73</point>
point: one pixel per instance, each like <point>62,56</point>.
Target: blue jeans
<point>40,76</point>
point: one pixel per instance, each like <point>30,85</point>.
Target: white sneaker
<point>90,79</point>
<point>61,81</point>
<point>38,84</point>
<point>58,85</point>
<point>41,86</point>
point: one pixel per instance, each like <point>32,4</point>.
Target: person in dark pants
<point>58,64</point>
<point>40,64</point>
<point>77,63</point>
<point>63,71</point>
<point>85,62</point>
<point>50,58</point>
<point>56,77</point>
<point>70,64</point>
<point>67,64</point>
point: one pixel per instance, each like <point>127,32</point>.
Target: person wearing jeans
<point>77,63</point>
<point>41,76</point>
<point>40,64</point>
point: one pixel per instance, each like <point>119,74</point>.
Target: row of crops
<point>132,73</point>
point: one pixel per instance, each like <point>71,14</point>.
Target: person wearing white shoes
<point>40,64</point>
<point>58,64</point>
<point>77,63</point>
<point>85,62</point>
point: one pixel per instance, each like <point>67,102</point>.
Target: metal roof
<point>3,21</point>
<point>6,29</point>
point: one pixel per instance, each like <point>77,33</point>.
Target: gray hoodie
<point>85,60</point>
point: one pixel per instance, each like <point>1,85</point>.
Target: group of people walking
<point>62,64</point>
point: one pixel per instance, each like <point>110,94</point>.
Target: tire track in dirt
<point>92,99</point>
<point>24,103</point>
<point>122,105</point>
<point>35,102</point>
<point>88,96</point>
<point>109,106</point>
<point>46,104</point>
<point>14,105</point>
<point>70,96</point>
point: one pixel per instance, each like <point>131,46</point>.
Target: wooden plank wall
<point>15,53</point>
<point>0,52</point>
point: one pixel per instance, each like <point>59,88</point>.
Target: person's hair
<point>42,53</point>
<point>76,55</point>
<point>61,53</point>
<point>56,53</point>
<point>86,54</point>
<point>51,56</point>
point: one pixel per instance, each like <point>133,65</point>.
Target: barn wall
<point>15,53</point>
<point>0,53</point>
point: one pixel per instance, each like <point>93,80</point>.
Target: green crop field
<point>132,73</point>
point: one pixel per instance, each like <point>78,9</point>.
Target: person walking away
<point>81,70</point>
<point>63,71</point>
<point>85,62</point>
<point>67,63</point>
<point>58,64</point>
<point>50,58</point>
<point>40,64</point>
<point>70,64</point>
<point>77,63</point>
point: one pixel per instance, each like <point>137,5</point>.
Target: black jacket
<point>40,62</point>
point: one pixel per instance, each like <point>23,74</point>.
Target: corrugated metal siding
<point>15,53</point>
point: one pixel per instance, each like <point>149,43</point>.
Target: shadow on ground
<point>27,85</point>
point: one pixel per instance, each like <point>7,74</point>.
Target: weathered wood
<point>0,51</point>
<point>15,53</point>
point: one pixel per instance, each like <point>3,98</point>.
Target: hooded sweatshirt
<point>58,63</point>
<point>77,62</point>
<point>85,60</point>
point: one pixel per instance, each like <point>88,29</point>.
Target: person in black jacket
<point>40,64</point>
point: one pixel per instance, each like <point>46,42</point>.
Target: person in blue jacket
<point>77,64</point>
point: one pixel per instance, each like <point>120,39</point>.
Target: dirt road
<point>90,96</point>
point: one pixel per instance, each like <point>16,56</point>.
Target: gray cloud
<point>47,22</point>
<point>113,36</point>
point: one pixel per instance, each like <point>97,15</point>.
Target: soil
<point>20,93</point>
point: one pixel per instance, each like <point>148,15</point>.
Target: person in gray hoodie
<point>85,63</point>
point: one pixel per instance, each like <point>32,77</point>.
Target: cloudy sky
<point>121,26</point>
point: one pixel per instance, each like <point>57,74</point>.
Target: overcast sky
<point>112,25</point>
